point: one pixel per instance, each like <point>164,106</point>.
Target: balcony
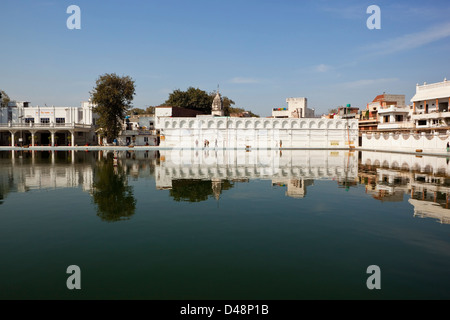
<point>392,109</point>
<point>431,115</point>
<point>396,125</point>
<point>138,132</point>
<point>44,126</point>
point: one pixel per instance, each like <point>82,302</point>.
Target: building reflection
<point>294,170</point>
<point>199,175</point>
<point>190,175</point>
<point>424,179</point>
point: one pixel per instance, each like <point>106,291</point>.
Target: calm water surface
<point>215,224</point>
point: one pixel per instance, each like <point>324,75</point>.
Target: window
<point>399,118</point>
<point>145,139</point>
<point>60,120</point>
<point>29,120</point>
<point>45,120</point>
<point>386,119</point>
<point>422,122</point>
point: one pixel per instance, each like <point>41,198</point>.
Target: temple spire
<point>217,105</point>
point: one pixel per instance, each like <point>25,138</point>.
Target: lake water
<point>224,224</point>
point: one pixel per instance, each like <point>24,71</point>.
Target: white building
<point>177,128</point>
<point>227,132</point>
<point>23,124</point>
<point>297,108</point>
<point>139,131</point>
<point>393,113</point>
<point>431,105</point>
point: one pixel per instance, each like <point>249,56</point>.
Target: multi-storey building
<point>386,112</point>
<point>23,124</point>
<point>431,106</point>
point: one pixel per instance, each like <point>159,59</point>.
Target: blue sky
<point>259,52</point>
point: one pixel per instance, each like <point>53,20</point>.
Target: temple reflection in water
<point>293,169</point>
<point>198,175</point>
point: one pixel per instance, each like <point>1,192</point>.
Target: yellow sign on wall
<point>334,143</point>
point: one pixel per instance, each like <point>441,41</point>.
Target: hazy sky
<point>260,52</point>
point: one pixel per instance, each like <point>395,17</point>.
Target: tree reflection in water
<point>194,190</point>
<point>111,193</point>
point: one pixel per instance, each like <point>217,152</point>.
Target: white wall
<point>258,132</point>
<point>405,142</point>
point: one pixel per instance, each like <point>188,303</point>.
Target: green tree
<point>240,110</point>
<point>112,96</point>
<point>150,110</point>
<point>135,111</point>
<point>4,99</point>
<point>192,98</point>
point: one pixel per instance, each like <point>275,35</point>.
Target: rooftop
<point>432,91</point>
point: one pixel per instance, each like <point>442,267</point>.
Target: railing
<point>433,85</point>
<point>44,125</point>
<point>138,132</point>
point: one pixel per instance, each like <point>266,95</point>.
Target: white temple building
<point>217,131</point>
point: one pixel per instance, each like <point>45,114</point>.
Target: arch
<point>221,124</point>
<point>321,125</point>
<point>276,124</point>
<point>267,124</point>
<point>339,125</point>
<point>303,124</point>
<point>313,125</point>
<point>239,124</point>
<point>405,166</point>
<point>248,124</point>
<point>285,124</point>
<point>211,124</point>
<point>295,124</point>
